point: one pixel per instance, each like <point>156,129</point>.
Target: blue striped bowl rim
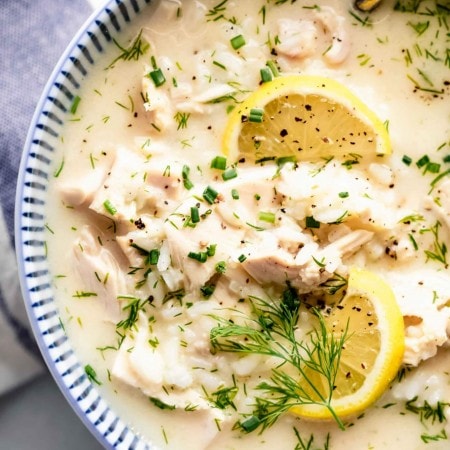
<point>50,115</point>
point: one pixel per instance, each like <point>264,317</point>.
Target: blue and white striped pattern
<point>51,113</point>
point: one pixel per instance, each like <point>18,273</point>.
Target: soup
<point>195,272</point>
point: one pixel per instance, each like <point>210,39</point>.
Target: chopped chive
<point>109,207</point>
<point>237,42</point>
<point>229,174</point>
<point>273,67</point>
<point>242,258</point>
<point>207,290</point>
<point>153,256</point>
<point>343,194</point>
<point>433,167</point>
<point>266,74</point>
<point>446,159</point>
<point>234,194</point>
<point>423,161</point>
<point>75,103</point>
<point>257,197</point>
<point>195,215</point>
<point>200,256</point>
<point>219,162</point>
<point>250,424</point>
<point>311,222</point>
<point>256,115</point>
<point>91,374</point>
<point>185,175</point>
<point>407,160</point>
<point>221,267</point>
<point>266,216</point>
<point>157,77</point>
<point>211,249</point>
<point>210,195</point>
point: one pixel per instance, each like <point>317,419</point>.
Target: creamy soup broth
<point>396,62</point>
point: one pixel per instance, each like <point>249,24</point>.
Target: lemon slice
<point>372,353</point>
<point>303,117</point>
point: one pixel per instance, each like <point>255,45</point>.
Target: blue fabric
<point>33,34</point>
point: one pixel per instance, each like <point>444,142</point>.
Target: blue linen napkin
<point>33,34</point>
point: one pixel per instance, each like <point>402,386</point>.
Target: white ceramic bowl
<point>52,111</point>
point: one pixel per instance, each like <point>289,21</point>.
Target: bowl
<point>85,55</point>
<point>74,66</point>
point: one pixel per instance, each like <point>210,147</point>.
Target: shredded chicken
<point>298,38</point>
<point>340,40</point>
<point>102,276</point>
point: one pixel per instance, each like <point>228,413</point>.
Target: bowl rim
<point>43,314</point>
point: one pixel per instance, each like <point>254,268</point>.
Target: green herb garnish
<point>187,183</point>
<point>136,49</point>
<point>210,195</point>
<point>219,162</point>
<point>91,374</point>
<point>237,42</point>
<point>270,330</point>
<point>229,174</point>
<point>157,77</point>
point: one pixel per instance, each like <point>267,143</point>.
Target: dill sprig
<point>270,329</point>
<point>134,51</point>
<point>439,251</point>
<point>426,411</point>
<point>307,445</point>
<point>132,308</point>
<point>182,119</point>
<point>335,284</point>
<point>218,11</point>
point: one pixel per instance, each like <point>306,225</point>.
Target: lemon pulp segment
<point>305,118</point>
<point>372,353</point>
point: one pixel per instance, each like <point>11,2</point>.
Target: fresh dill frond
<point>335,284</point>
<point>270,329</point>
<point>182,119</point>
<point>133,52</point>
<point>304,444</point>
<point>439,251</point>
<point>132,308</point>
<point>426,411</point>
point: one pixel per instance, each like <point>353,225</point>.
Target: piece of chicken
<point>335,25</point>
<point>311,266</point>
<point>99,269</point>
<point>297,38</point>
<point>74,193</point>
<point>184,240</point>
